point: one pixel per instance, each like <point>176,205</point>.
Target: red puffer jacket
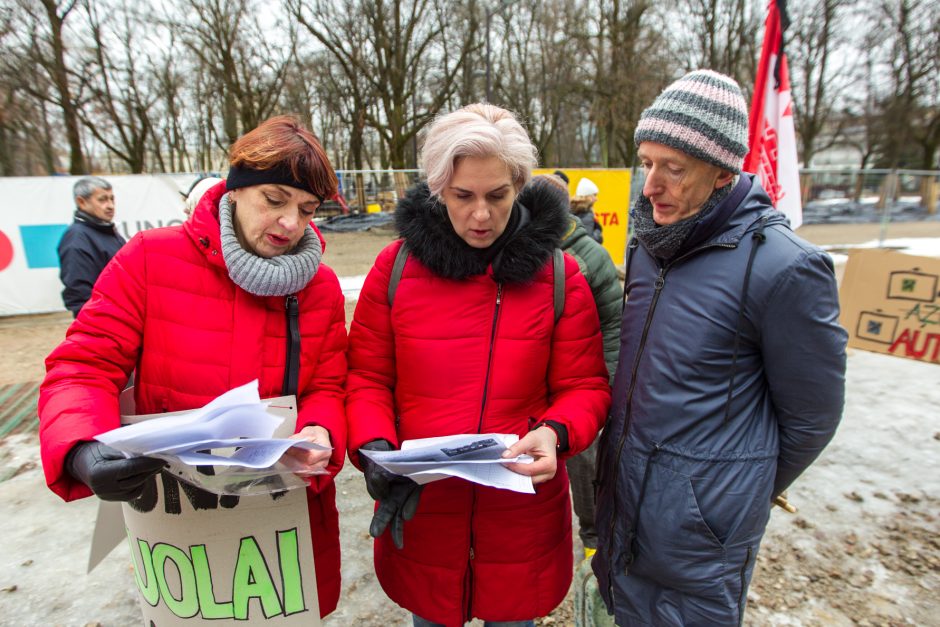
<point>167,307</point>
<point>471,346</point>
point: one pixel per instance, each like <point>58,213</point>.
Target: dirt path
<point>862,550</point>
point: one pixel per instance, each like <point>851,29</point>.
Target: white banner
<point>34,213</point>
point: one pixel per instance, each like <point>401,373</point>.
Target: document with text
<point>475,457</point>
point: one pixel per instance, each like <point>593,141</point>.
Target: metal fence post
<point>890,190</point>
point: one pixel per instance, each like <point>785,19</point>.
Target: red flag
<point>772,135</point>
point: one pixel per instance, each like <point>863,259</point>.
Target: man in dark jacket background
<point>731,372</point>
<point>89,243</point>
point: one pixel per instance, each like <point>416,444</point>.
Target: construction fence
<point>854,195</point>
<point>828,194</point>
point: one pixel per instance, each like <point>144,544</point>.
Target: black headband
<point>240,176</point>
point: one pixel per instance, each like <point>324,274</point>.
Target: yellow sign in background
<point>612,206</point>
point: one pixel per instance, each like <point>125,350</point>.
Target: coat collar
<point>424,225</point>
<point>756,205</point>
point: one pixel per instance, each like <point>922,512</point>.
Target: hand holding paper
<point>539,444</point>
<point>309,461</point>
<point>474,457</point>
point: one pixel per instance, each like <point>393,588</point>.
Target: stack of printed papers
<point>476,457</point>
<point>233,430</point>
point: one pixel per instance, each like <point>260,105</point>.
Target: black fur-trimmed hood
<point>424,225</point>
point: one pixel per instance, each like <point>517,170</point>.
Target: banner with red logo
<point>772,135</point>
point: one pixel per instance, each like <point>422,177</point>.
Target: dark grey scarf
<point>278,276</point>
<point>663,242</point>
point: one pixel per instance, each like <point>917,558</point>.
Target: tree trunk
<point>77,163</point>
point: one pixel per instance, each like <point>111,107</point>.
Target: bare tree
<point>42,41</point>
<point>721,35</point>
<point>169,127</point>
<point>632,62</point>
<point>399,59</point>
<point>537,72</point>
<point>25,137</point>
<point>118,112</point>
<point>817,80</point>
<point>910,107</point>
<point>347,92</point>
<point>246,63</point>
<point>861,117</point>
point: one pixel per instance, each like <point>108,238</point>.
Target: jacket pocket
<point>674,546</point>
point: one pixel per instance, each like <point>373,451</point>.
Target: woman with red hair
<point>234,294</point>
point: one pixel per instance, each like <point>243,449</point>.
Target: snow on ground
<point>921,246</point>
<point>864,547</point>
<point>351,286</point>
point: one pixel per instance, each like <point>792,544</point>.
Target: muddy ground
<point>864,548</point>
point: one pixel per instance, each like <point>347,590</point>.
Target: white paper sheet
<point>475,457</point>
<point>236,427</point>
<point>250,453</point>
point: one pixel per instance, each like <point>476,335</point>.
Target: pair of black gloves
<point>397,496</point>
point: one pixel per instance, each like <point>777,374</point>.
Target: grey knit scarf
<point>663,242</point>
<point>278,276</point>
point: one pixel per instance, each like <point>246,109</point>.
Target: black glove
<point>108,473</point>
<point>400,505</point>
<point>397,496</point>
<point>377,478</point>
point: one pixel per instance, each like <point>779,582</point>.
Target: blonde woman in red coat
<point>201,308</point>
<point>470,345</point>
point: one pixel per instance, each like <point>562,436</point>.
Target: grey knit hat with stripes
<point>704,115</point>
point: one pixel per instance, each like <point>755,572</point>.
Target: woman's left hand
<point>306,462</point>
<point>540,444</point>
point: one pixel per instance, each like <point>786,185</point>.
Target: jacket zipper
<point>468,608</point>
<point>486,385</point>
<point>658,287</point>
<point>489,359</point>
<point>292,366</point>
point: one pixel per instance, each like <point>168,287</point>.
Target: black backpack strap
<point>758,238</point>
<point>397,268</point>
<point>292,367</point>
<point>558,277</point>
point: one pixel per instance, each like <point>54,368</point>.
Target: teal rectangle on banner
<point>40,242</point>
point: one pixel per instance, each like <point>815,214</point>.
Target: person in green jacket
<point>601,274</point>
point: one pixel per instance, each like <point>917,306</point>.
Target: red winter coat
<point>166,306</point>
<point>434,365</point>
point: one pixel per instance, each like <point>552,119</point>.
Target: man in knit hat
<point>730,379</point>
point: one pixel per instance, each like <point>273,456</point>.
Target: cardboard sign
<point>891,304</point>
<point>228,560</point>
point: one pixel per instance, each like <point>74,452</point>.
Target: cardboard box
<point>891,304</point>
